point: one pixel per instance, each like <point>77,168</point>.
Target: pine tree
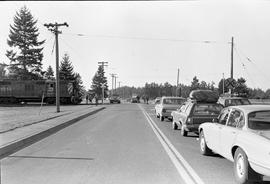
<point>26,52</point>
<point>66,71</point>
<point>49,74</point>
<point>78,87</point>
<point>97,82</point>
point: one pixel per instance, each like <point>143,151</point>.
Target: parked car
<point>231,101</point>
<point>135,99</point>
<point>115,99</point>
<point>193,113</point>
<point>166,105</point>
<point>240,134</point>
<point>157,100</point>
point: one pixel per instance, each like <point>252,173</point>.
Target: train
<point>18,91</point>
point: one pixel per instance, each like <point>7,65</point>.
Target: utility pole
<point>103,64</point>
<point>223,83</point>
<point>119,84</point>
<point>232,45</point>
<point>115,82</point>
<point>177,77</point>
<point>54,28</point>
<point>113,75</point>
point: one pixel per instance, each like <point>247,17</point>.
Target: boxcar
<point>16,91</point>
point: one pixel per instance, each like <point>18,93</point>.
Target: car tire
<point>204,149</point>
<point>243,173</point>
<point>161,118</point>
<point>174,126</point>
<point>183,132</point>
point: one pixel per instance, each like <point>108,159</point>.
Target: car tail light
<point>189,121</point>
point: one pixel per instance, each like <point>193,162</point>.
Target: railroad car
<point>17,91</point>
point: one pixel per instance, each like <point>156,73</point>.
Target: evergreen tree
<point>26,52</point>
<point>49,74</point>
<point>97,82</point>
<point>78,87</point>
<point>66,69</point>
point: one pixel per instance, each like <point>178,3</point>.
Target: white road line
<point>183,168</point>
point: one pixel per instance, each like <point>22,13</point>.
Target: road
<point>122,144</point>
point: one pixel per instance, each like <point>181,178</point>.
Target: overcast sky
<point>146,41</point>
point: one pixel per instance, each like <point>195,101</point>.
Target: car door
<point>229,132</point>
<point>215,130</point>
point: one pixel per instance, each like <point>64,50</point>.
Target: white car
<point>240,134</point>
<point>166,105</point>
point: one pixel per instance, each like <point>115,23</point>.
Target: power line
<point>148,38</point>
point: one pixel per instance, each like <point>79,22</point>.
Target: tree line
<point>153,90</point>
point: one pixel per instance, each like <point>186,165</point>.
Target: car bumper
<point>167,114</point>
<point>192,128</point>
<point>259,168</point>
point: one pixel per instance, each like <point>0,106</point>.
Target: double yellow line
<point>183,168</point>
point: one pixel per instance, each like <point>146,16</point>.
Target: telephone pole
<point>103,64</point>
<point>232,44</point>
<point>113,75</point>
<point>54,28</point>
<point>115,82</point>
<point>177,77</point>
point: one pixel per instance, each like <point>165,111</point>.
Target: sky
<point>147,41</point>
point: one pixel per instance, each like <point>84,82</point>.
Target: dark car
<point>115,99</point>
<point>232,101</point>
<point>201,107</point>
<point>192,113</point>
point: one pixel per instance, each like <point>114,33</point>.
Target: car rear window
<point>173,101</point>
<point>207,109</point>
<point>259,120</point>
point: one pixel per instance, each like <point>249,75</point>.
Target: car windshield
<point>259,120</point>
<point>173,101</point>
<point>232,102</point>
<point>207,109</point>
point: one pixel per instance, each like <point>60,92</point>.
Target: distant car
<point>192,113</point>
<point>115,99</point>
<point>135,99</point>
<point>231,101</point>
<point>166,105</point>
<point>240,134</point>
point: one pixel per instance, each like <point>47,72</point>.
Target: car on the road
<point>157,100</point>
<point>135,99</point>
<point>240,134</point>
<point>193,113</point>
<point>231,101</point>
<point>166,105</point>
<point>115,99</point>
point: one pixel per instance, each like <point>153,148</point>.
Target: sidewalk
<point>40,127</point>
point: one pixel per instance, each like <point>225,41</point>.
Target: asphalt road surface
<point>122,144</point>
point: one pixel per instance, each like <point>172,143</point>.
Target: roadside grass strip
<point>184,169</point>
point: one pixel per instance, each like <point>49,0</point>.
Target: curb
<point>15,146</point>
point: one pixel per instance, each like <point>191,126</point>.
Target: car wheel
<point>183,131</point>
<point>174,126</point>
<point>157,115</point>
<point>161,118</point>
<point>242,171</point>
<point>204,149</point>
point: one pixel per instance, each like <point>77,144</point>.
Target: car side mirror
<point>214,120</point>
